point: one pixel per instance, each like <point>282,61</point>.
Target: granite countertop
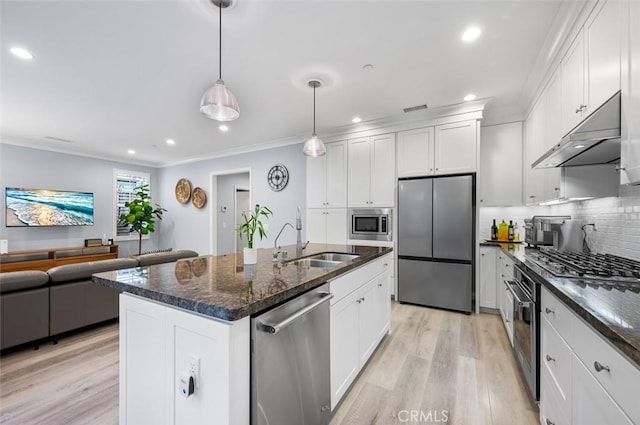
<point>222,287</point>
<point>613,313</point>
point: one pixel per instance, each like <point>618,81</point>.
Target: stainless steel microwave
<point>371,224</point>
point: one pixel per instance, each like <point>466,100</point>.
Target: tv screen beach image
<point>42,207</point>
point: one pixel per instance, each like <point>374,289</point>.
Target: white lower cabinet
<point>157,343</point>
<point>583,380</point>
<point>506,311</point>
<point>488,279</point>
<point>327,225</point>
<point>359,320</point>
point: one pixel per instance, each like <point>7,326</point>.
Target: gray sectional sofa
<point>35,305</point>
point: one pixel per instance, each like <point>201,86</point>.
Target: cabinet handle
<point>549,422</point>
<point>580,108</point>
<point>620,168</point>
<point>482,255</point>
<point>549,311</point>
<point>359,300</point>
<point>362,299</point>
<point>556,189</point>
<point>532,196</point>
<point>481,200</point>
<point>550,359</point>
<point>379,285</point>
<point>437,169</point>
<point>599,367</point>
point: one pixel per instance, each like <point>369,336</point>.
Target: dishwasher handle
<point>275,328</point>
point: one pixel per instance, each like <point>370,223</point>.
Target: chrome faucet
<point>299,245</point>
<point>276,248</point>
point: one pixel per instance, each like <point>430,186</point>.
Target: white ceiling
<point>115,75</point>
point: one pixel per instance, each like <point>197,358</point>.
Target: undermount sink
<point>335,256</point>
<point>315,262</point>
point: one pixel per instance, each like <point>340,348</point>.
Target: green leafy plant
<point>252,223</point>
<point>142,215</point>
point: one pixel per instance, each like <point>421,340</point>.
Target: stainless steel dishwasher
<point>290,382</point>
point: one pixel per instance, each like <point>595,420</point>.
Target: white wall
<point>185,226</point>
<point>39,169</point>
<point>617,221</point>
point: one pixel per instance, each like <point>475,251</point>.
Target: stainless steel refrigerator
<point>436,233</point>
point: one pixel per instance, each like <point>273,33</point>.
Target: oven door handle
<point>509,284</point>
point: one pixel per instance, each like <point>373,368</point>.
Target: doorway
<point>242,203</point>
<point>224,210</point>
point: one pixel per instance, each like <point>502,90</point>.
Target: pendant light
<point>314,146</point>
<point>218,103</point>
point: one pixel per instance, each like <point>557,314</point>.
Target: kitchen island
<point>192,317</point>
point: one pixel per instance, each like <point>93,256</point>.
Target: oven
<point>526,316</point>
<point>371,224</point>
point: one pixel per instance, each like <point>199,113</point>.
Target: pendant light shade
<point>314,146</point>
<point>218,103</point>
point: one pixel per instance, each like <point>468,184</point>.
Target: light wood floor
<point>433,361</point>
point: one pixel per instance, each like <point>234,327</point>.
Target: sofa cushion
<point>15,281</point>
<point>165,257</point>
<point>71,272</point>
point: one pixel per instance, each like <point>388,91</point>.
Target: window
<point>125,183</point>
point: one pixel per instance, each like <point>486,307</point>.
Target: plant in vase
<point>251,225</point>
<point>141,215</point>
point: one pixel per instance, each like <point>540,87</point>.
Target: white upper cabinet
<point>456,147</point>
<point>327,178</point>
<point>630,153</point>
<point>591,67</point>
<point>603,37</point>
<point>443,149</point>
<point>553,133</point>
<point>534,179</point>
<point>500,174</point>
<point>371,171</point>
<point>415,152</point>
<point>572,71</point>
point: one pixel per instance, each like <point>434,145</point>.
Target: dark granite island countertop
<point>613,313</point>
<point>221,287</point>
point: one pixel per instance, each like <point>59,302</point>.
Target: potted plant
<point>252,223</point>
<point>141,216</point>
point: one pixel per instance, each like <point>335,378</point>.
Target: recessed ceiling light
<point>21,53</point>
<point>367,67</point>
<point>356,120</point>
<point>131,152</point>
<point>171,142</point>
<point>224,127</point>
<point>471,33</point>
<point>469,97</point>
<point>578,146</point>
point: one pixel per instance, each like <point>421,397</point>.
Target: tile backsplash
<point>617,221</point>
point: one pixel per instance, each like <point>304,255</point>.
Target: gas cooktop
<point>606,270</point>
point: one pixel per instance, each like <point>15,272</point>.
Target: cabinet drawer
<point>553,409</point>
<point>555,358</point>
<point>346,284</point>
<point>557,314</point>
<point>622,378</point>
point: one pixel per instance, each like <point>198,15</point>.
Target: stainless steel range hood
<point>596,140</point>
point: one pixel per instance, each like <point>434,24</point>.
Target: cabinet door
<point>383,171</point>
<point>553,127</point>
<point>488,290</point>
<point>415,152</point>
<point>591,404</point>
<point>345,359</point>
<point>367,319</point>
<point>359,172</point>
<point>316,225</point>
<point>316,181</point>
<point>456,148</point>
<point>508,313</point>
<point>336,226</point>
<point>500,175</point>
<point>604,40</point>
<point>382,301</point>
<point>572,69</point>
<point>336,175</point>
<point>630,151</point>
<point>534,178</point>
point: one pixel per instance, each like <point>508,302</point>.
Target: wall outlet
<point>591,219</point>
<point>194,368</point>
<point>4,246</point>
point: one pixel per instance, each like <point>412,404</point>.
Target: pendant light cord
<point>220,41</point>
<point>314,109</point>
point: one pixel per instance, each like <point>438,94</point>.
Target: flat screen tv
<point>43,207</point>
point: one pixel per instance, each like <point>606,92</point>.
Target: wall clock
<point>278,177</point>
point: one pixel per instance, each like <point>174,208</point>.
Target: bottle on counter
<point>516,233</point>
<point>510,231</point>
<point>494,231</point>
<point>503,231</point>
